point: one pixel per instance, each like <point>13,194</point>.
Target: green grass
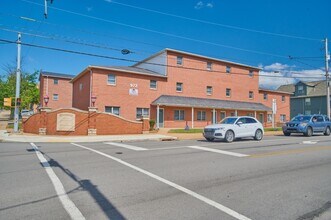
<point>190,131</point>
<point>273,129</point>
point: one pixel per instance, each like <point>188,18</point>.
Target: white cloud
<point>277,74</point>
<point>201,4</point>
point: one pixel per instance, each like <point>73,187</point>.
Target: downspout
<point>91,84</point>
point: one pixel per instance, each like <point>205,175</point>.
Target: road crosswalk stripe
<point>131,147</point>
<point>219,151</point>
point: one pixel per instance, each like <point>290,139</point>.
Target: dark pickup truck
<point>308,125</point>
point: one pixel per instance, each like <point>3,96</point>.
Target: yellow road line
<point>294,151</point>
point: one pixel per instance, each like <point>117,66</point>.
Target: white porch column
<point>192,117</point>
<point>236,112</point>
<point>157,116</point>
<point>214,119</point>
<point>254,114</point>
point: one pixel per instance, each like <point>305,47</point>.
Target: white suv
<point>231,128</point>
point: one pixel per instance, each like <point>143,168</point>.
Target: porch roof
<point>182,101</point>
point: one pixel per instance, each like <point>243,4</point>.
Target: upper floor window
<point>80,86</point>
<point>228,69</point>
<point>153,84</point>
<point>55,97</point>
<point>265,96</point>
<point>228,92</point>
<point>283,98</point>
<point>142,112</point>
<point>300,90</point>
<point>56,81</point>
<point>209,65</point>
<point>111,79</point>
<point>112,109</point>
<point>251,73</point>
<point>251,94</point>
<point>179,87</point>
<point>209,90</point>
<point>179,60</point>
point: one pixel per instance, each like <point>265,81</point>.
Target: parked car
<point>26,112</point>
<point>308,125</point>
<point>231,128</point>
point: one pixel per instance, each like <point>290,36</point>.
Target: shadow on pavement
<point>110,211</point>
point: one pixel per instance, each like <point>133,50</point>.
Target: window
<point>55,97</point>
<point>209,65</point>
<point>300,90</point>
<point>233,114</point>
<point>250,121</point>
<point>251,95</point>
<point>228,69</point>
<point>228,92</point>
<point>251,73</point>
<point>80,86</point>
<point>179,87</point>
<point>327,118</point>
<point>201,116</point>
<point>179,115</point>
<point>307,112</point>
<point>265,96</point>
<point>269,118</point>
<point>250,114</point>
<point>153,84</point>
<point>307,102</point>
<point>179,60</point>
<point>112,109</point>
<point>111,79</point>
<point>209,90</point>
<point>283,98</point>
<point>320,119</point>
<point>56,81</point>
<point>142,112</point>
<point>282,118</point>
<point>223,115</point>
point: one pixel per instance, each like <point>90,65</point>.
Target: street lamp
<point>93,99</point>
<point>46,99</point>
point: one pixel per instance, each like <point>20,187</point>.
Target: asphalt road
<point>277,178</point>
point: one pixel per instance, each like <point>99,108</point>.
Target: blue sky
<point>260,33</point>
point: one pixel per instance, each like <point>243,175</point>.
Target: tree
<point>29,90</point>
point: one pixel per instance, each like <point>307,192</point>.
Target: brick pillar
<point>145,125</point>
<point>92,121</point>
<point>43,120</point>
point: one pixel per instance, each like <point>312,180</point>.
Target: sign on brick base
<point>42,131</point>
<point>91,132</point>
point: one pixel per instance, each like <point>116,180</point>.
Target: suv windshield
<point>228,121</point>
<point>301,118</point>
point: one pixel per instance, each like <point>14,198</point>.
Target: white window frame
<point>283,98</point>
<point>111,83</point>
<point>209,65</point>
<point>179,60</point>
<point>181,115</point>
<point>57,97</point>
<point>249,95</point>
<point>211,90</point>
<point>80,86</point>
<point>226,91</point>
<point>181,86</point>
<point>201,115</point>
<point>142,112</point>
<point>56,80</point>
<point>112,109</point>
<point>228,69</point>
<point>265,96</point>
<point>269,118</point>
<point>282,118</point>
<point>150,84</point>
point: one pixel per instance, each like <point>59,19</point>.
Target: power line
<point>298,61</point>
<point>214,23</point>
<point>135,61</point>
<point>159,32</point>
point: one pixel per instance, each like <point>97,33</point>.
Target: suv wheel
<point>286,133</point>
<point>258,135</point>
<point>229,136</point>
<point>309,132</point>
<point>327,131</point>
<point>209,139</point>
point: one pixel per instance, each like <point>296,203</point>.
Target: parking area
<point>276,178</point>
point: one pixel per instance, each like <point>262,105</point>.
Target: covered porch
<point>180,112</point>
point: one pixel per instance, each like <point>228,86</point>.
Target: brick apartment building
<point>57,87</point>
<point>176,89</point>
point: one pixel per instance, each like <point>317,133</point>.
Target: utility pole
<point>327,58</point>
<point>18,84</point>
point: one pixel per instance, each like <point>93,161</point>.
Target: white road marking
<point>176,186</point>
<point>126,146</point>
<point>310,142</point>
<point>167,148</point>
<point>68,205</point>
<point>219,151</point>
